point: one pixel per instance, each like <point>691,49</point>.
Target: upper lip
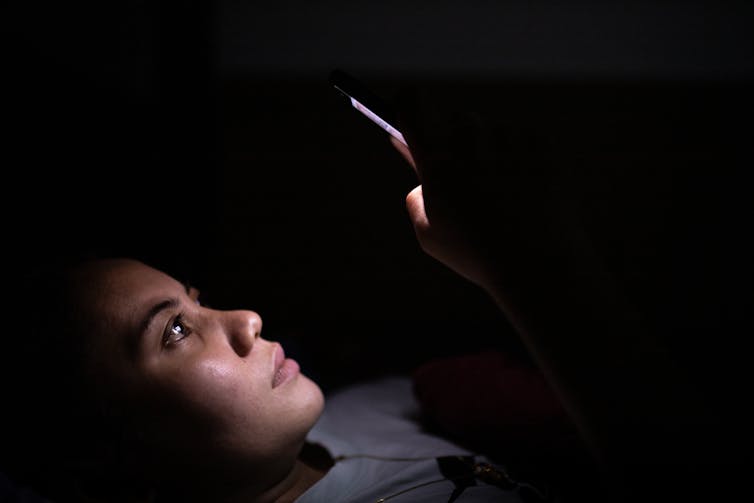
<point>279,356</point>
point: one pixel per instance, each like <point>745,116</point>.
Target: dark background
<point>203,136</point>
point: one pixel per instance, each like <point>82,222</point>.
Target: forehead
<point>121,275</point>
<point>120,289</point>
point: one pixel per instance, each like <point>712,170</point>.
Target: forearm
<point>621,386</point>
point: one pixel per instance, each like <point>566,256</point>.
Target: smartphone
<point>366,102</point>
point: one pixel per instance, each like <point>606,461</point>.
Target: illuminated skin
<point>214,403</point>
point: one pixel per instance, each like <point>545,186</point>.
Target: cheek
<point>229,408</point>
<point>221,391</point>
<point>201,398</point>
<point>202,411</point>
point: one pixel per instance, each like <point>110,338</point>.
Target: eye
<point>176,331</point>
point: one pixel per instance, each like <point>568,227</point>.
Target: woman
<point>165,397</point>
<point>173,400</point>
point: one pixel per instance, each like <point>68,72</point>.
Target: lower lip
<point>287,371</point>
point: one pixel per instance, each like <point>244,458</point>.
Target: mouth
<point>284,368</point>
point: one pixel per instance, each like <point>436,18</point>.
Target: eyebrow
<point>169,303</point>
<point>153,312</point>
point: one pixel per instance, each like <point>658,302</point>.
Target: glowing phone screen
<point>378,120</point>
<point>352,89</point>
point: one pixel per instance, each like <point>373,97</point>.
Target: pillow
<point>496,405</point>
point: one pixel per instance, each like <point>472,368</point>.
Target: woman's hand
<point>436,207</point>
<point>441,237</point>
<point>482,214</point>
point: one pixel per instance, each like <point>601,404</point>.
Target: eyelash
<point>185,332</point>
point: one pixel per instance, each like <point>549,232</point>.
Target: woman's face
<point>201,386</point>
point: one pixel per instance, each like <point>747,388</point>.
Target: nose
<point>243,329</point>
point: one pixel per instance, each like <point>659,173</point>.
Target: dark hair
<point>59,438</point>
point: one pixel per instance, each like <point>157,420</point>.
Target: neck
<point>304,473</point>
<point>301,478</point>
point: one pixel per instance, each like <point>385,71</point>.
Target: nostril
<point>242,345</point>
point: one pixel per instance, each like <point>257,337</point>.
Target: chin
<point>313,396</point>
<point>305,405</point>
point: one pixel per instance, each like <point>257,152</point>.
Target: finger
<point>416,212</point>
<point>405,152</point>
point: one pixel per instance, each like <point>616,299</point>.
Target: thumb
<point>416,213</point>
